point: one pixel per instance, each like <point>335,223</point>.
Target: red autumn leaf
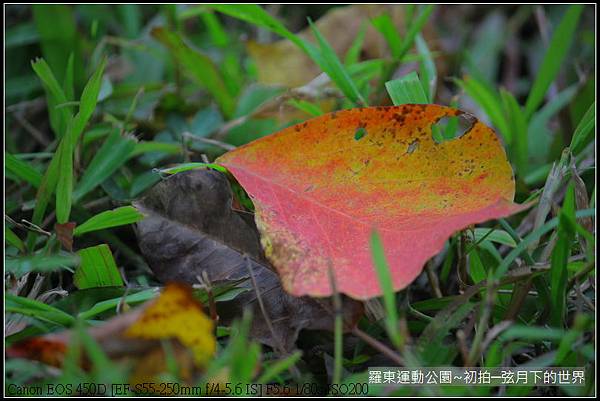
<point>321,187</point>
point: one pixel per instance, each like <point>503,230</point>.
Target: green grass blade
<point>97,268</point>
<point>498,236</point>
<point>427,69</point>
<point>431,341</point>
<point>87,105</point>
<point>59,116</point>
<point>111,156</point>
<point>103,306</point>
<point>518,126</point>
<point>87,102</point>
<point>274,369</point>
<point>562,99</point>
<point>448,260</point>
<point>534,236</point>
<point>101,364</point>
<point>215,29</point>
<point>560,258</point>
<point>333,67</point>
<point>109,218</point>
<point>538,133</point>
<point>307,107</point>
<point>199,67</point>
<point>582,135</point>
<point>152,146</point>
<point>389,297</point>
<point>22,170</point>
<point>324,56</point>
<point>401,53</point>
<point>64,185</point>
<point>38,310</point>
<point>256,15</point>
<point>131,17</point>
<point>44,194</point>
<point>11,238</point>
<point>22,265</point>
<point>489,101</point>
<point>476,269</point>
<point>414,30</point>
<point>190,166</point>
<point>531,333</point>
<point>385,25</point>
<point>539,281</point>
<point>366,70</point>
<point>553,59</point>
<point>565,347</point>
<point>407,89</point>
<point>69,84</point>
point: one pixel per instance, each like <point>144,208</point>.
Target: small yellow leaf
<point>153,363</point>
<point>176,314</point>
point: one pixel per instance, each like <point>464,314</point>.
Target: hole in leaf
<point>412,146</point>
<point>359,133</point>
<point>451,127</point>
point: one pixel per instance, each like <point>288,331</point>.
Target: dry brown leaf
<point>64,233</point>
<point>191,228</point>
<point>283,63</point>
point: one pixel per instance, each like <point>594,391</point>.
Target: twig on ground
<point>520,292</point>
<point>433,280</point>
<point>486,312</point>
<point>461,339</point>
<point>215,142</point>
<point>27,225</point>
<point>207,285</point>
<point>495,332</point>
<point>379,346</point>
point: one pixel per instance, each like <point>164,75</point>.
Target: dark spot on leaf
<point>412,146</point>
<point>399,118</point>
